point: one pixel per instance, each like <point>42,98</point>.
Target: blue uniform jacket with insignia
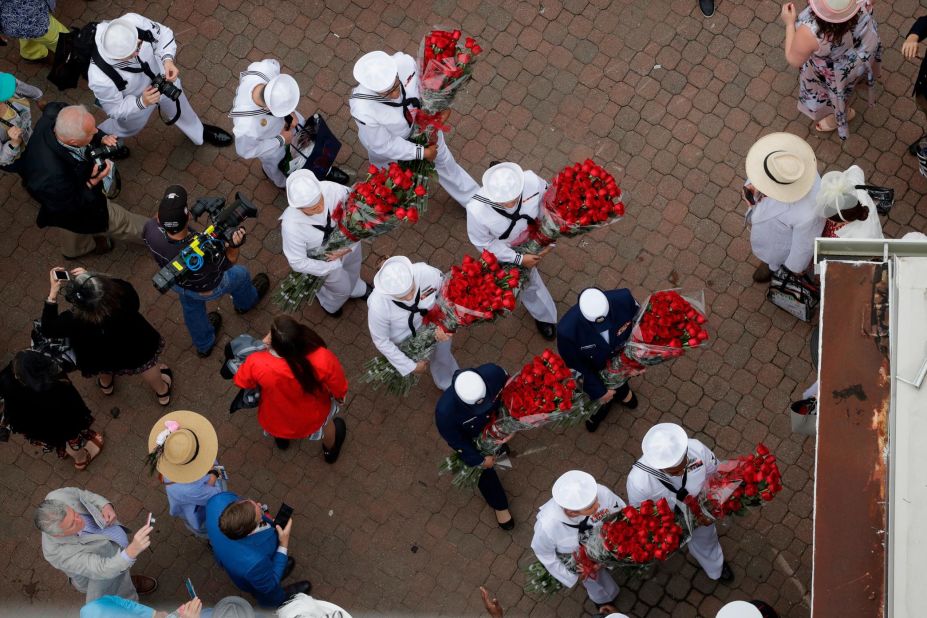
<point>459,423</point>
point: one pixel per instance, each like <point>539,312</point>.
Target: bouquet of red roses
<point>478,290</point>
<point>445,67</point>
<point>582,197</point>
<point>619,370</point>
<point>544,392</point>
<point>668,323</point>
<point>737,485</point>
<point>374,207</point>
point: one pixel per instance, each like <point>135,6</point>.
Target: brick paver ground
<point>669,101</point>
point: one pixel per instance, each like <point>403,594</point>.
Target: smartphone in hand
<point>190,590</point>
<point>62,275</point>
<point>750,196</point>
<point>283,515</point>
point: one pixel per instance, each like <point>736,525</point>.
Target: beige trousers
<point>123,225</point>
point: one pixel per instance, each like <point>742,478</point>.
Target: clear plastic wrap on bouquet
<point>444,67</point>
<point>619,370</point>
<point>665,328</point>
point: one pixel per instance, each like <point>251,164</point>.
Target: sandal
<point>97,438</point>
<point>108,389</point>
<point>82,465</point>
<point>165,399</point>
<point>821,127</point>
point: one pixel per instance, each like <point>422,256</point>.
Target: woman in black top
<point>40,403</point>
<point>909,51</point>
<point>108,334</point>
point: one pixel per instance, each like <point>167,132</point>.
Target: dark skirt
<point>51,419</point>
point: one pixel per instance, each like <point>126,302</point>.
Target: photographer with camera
<point>169,236</point>
<point>133,71</point>
<point>64,168</point>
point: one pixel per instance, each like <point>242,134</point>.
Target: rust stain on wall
<point>851,475</point>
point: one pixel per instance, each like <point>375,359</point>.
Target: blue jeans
<point>237,282</point>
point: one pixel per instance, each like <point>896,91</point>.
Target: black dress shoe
<point>367,292</point>
<point>630,404</point>
<point>335,314</point>
<point>707,7</point>
<point>282,443</point>
<point>727,575</point>
<point>337,175</point>
<point>593,422</point>
<point>341,431</point>
<point>494,163</point>
<point>215,320</point>
<point>293,589</point>
<point>290,563</point>
<point>547,330</point>
<point>507,525</point>
<point>217,137</point>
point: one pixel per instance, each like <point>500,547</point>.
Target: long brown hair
<point>293,342</point>
<point>832,32</point>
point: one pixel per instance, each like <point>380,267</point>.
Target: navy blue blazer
<point>459,423</point>
<point>253,563</point>
<point>582,346</point>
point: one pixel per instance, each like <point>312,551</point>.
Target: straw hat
<point>782,166</point>
<point>835,11</point>
<point>188,445</point>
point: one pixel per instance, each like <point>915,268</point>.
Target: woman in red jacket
<point>302,386</point>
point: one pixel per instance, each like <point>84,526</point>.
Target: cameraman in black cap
<point>166,236</point>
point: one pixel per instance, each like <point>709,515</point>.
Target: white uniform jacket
<point>301,238</point>
<point>555,533</point>
<point>389,323</point>
<point>256,130</point>
<point>783,233</point>
<point>121,104</point>
<point>383,128</point>
<point>644,485</point>
<point>486,225</point>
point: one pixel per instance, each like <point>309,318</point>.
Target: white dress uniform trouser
<point>537,299</point>
<point>602,589</point>
<point>269,163</point>
<point>188,122</point>
<point>455,180</point>
<point>344,283</point>
<point>442,365</point>
<point>705,547</point>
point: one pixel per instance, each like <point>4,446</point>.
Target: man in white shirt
<point>264,118</point>
<point>576,511</point>
<point>403,293</point>
<point>384,105</point>
<point>131,53</point>
<point>306,225</point>
<point>498,217</point>
<point>781,191</point>
<point>673,467</point>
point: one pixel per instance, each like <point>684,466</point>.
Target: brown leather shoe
<point>762,274</point>
<point>103,245</point>
<point>144,584</point>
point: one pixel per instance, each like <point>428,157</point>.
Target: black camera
<point>207,247</point>
<point>103,152</point>
<point>166,88</point>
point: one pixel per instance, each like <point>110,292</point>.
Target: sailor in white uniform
<point>403,293</point>
<point>498,216</point>
<point>576,510</point>
<point>264,103</point>
<point>131,52</point>
<point>384,104</point>
<point>673,467</point>
<point>306,226</point>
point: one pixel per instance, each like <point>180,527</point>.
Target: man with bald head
<point>59,174</point>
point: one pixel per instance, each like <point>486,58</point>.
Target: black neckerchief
<point>413,309</point>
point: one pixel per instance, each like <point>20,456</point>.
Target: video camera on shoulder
<point>166,88</point>
<point>208,246</point>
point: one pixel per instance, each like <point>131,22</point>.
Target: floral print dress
<point>828,77</point>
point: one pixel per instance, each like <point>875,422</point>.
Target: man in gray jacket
<point>82,538</point>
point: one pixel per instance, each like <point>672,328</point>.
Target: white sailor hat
<point>376,71</point>
<point>120,39</point>
<point>470,387</point>
<point>395,276</point>
<point>664,445</point>
<point>303,189</point>
<point>593,304</point>
<point>281,94</point>
<point>503,182</point>
<point>617,615</point>
<point>739,609</point>
<point>575,490</point>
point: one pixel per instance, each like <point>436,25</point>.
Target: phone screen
<point>283,515</point>
<point>190,590</point>
<point>749,195</point>
<point>62,275</point>
<point>149,520</point>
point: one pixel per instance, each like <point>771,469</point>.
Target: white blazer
<point>783,233</point>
